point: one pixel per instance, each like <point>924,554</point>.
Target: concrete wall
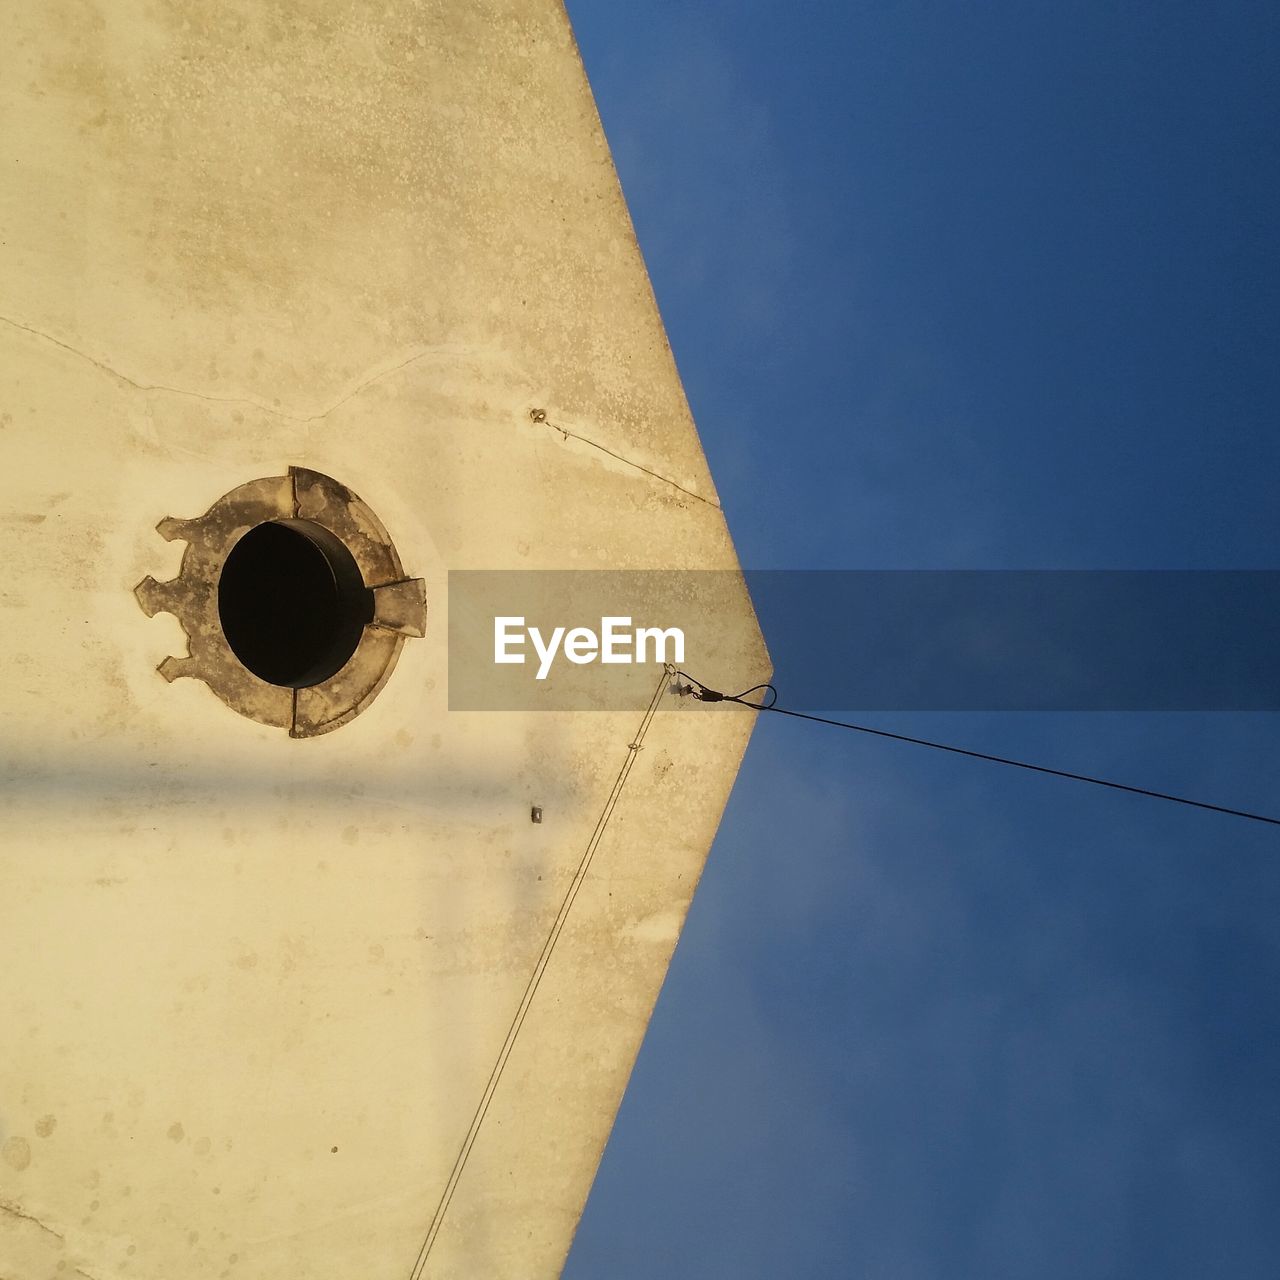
<point>253,989</point>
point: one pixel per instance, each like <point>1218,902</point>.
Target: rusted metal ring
<point>398,612</point>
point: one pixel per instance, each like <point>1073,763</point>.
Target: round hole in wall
<point>292,602</point>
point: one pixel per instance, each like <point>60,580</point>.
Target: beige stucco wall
<point>367,239</point>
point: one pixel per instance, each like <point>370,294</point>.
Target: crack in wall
<point>384,370</point>
<point>8,1207</point>
<point>379,373</point>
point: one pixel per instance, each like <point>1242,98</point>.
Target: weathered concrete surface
<point>253,988</point>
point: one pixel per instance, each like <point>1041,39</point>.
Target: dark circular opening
<point>292,603</point>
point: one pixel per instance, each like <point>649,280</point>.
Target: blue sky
<point>965,286</point>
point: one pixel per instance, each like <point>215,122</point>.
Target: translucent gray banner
<point>872,640</point>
